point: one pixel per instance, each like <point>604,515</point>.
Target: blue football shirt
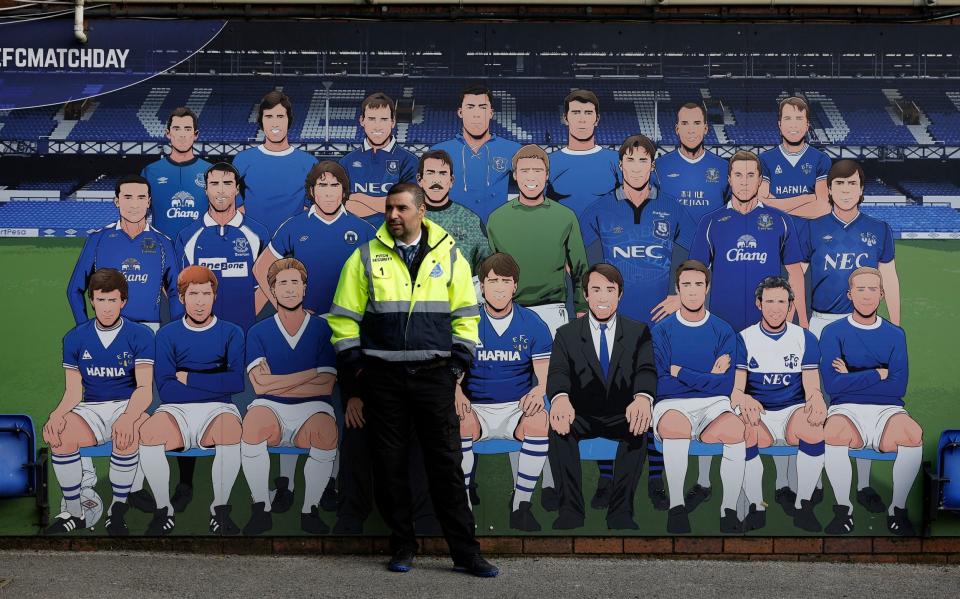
<point>792,174</point>
<point>374,172</point>
<point>864,348</point>
<point>579,177</point>
<point>211,356</point>
<point>308,349</point>
<point>640,243</point>
<point>274,184</point>
<point>502,371</point>
<point>699,185</point>
<point>229,252</point>
<point>323,247</point>
<point>774,363</point>
<point>107,359</point>
<point>178,193</point>
<point>694,347</point>
<point>742,250</point>
<point>834,249</point>
<point>482,179</point>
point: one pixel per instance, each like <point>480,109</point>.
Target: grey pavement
<point>133,575</point>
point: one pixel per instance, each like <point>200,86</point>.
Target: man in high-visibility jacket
<point>404,321</point>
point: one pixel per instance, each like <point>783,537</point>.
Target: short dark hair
<point>327,166</point>
<point>378,100</point>
<point>441,155</point>
<point>412,188</point>
<point>633,142</point>
<point>271,100</point>
<point>183,111</point>
<point>691,105</point>
<point>107,280</point>
<point>131,179</point>
<point>476,89</point>
<point>795,101</point>
<point>226,167</point>
<point>841,169</point>
<point>607,271</point>
<point>776,282</point>
<point>581,95</point>
<point>743,156</point>
<point>689,265</point>
<point>501,264</point>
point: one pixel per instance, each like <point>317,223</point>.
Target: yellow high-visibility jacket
<point>380,311</point>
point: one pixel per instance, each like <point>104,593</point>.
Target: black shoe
<point>870,499</point>
<point>695,496</point>
<point>402,561</point>
<point>116,524</point>
<point>330,499</point>
<point>221,523</point>
<point>817,497</point>
<point>260,520</point>
<point>65,523</point>
<point>474,495</point>
<point>657,494</point>
<point>621,521</point>
<point>805,519</point>
<point>142,500</point>
<point>283,499</point>
<point>567,521</point>
<point>755,519</point>
<point>182,496</point>
<point>899,524</point>
<point>549,499</point>
<point>729,523</point>
<point>601,499</point>
<point>786,498</point>
<point>312,523</point>
<point>428,526</point>
<point>476,566</point>
<point>347,525</point>
<point>522,518</point>
<point>678,522</point>
<point>842,523</point>
<point>161,524</point>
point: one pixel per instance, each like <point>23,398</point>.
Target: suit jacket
<point>575,368</point>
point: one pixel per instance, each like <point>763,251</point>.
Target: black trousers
<point>398,402</point>
<point>356,479</point>
<point>564,454</point>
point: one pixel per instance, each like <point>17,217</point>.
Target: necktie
<point>407,252</point>
<point>604,353</point>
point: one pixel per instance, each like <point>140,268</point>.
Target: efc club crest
<point>125,359</point>
<point>499,164</point>
<point>521,342</point>
<point>713,175</point>
<point>149,245</point>
<point>765,222</point>
<point>807,168</point>
<point>350,237</point>
<point>199,181</point>
<point>868,238</point>
<point>436,272</point>
<point>791,361</point>
<point>393,166</point>
<point>661,229</point>
<point>241,246</point>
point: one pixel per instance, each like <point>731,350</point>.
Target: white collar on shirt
<point>387,148</point>
<point>687,323</point>
<point>570,152</point>
<point>691,160</point>
<point>286,152</point>
<point>865,327</point>
<point>295,339</point>
<point>315,212</point>
<point>411,244</point>
<point>107,335</point>
<point>213,321</point>
<point>236,221</point>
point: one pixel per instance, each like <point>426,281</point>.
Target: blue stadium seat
<point>590,449</point>
<point>941,482</point>
<point>715,449</point>
<point>23,470</point>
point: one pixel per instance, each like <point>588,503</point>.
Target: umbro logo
<point>357,164</point>
<point>672,175</point>
<point>86,355</point>
<point>161,180</point>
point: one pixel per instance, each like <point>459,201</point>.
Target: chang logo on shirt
<point>182,205</point>
<point>225,268</point>
<point>241,247</point>
<point>652,252</point>
<point>743,253</point>
<point>131,271</point>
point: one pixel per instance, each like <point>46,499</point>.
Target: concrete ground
<point>144,575</point>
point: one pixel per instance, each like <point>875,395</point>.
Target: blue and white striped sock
<point>467,462</point>
<point>69,473</point>
<point>654,458</point>
<point>533,453</point>
<point>123,469</point>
